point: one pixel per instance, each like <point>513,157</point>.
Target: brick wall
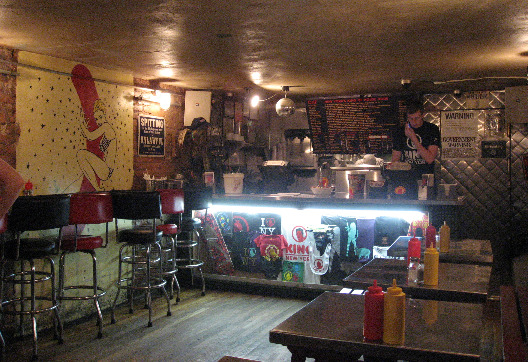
<point>166,166</point>
<point>9,129</point>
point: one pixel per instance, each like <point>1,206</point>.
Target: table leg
<point>298,354</point>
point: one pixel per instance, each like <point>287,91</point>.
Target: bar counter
<point>338,201</point>
<point>439,210</point>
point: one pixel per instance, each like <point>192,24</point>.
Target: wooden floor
<point>201,328</point>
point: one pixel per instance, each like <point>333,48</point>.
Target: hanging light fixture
<point>164,99</point>
<point>285,106</point>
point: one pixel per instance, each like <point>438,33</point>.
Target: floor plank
<point>201,328</point>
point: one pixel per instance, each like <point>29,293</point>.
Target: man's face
<point>415,119</point>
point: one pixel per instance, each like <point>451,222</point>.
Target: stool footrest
<point>126,283</point>
<point>186,244</point>
<point>19,277</point>
<point>87,297</point>
<point>15,301</point>
<point>189,263</point>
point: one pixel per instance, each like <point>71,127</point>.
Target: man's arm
<point>429,153</point>
<point>396,155</point>
<point>11,183</point>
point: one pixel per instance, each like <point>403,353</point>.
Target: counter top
<point>339,200</point>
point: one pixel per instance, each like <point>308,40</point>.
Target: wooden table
<point>467,251</point>
<point>331,328</point>
<point>456,282</point>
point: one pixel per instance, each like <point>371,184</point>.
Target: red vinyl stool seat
<point>172,203</point>
<point>84,244</point>
<point>86,208</point>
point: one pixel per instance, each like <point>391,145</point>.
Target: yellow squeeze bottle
<point>431,260</point>
<point>394,315</point>
<point>445,235</point>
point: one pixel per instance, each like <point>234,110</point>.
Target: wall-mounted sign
<point>493,148</point>
<point>151,136</point>
<point>357,124</point>
<point>459,131</point>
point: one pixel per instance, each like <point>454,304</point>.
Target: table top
<point>467,251</point>
<point>333,324</point>
<point>456,282</point>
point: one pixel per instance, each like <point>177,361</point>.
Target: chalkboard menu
<point>354,125</point>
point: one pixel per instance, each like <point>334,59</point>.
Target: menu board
<point>354,125</point>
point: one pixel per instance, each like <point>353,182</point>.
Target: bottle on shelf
<point>414,265</point>
<point>430,235</point>
<point>28,189</point>
<point>394,315</point>
<point>445,237</point>
<point>373,315</point>
<point>431,261</point>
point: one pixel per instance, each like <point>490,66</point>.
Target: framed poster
<point>151,136</point>
<point>459,130</point>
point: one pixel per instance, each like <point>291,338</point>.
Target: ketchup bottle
<point>414,266</point>
<point>430,236</point>
<point>373,318</point>
<point>414,248</point>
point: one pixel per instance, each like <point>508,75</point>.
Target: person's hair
<point>414,106</point>
<point>98,106</point>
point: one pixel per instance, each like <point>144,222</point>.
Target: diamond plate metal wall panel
<point>485,183</point>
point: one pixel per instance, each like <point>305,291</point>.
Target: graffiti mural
<point>73,125</point>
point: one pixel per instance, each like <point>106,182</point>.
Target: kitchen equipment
<point>276,176</point>
<point>402,184</point>
<point>233,183</point>
<point>322,191</point>
<point>375,183</point>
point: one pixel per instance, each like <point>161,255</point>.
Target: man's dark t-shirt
<point>428,134</point>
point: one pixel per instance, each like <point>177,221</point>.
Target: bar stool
<point>172,203</point>
<point>192,232</point>
<point>86,208</point>
<point>139,241</point>
<point>34,213</point>
<point>187,242</point>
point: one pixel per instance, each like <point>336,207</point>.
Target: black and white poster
<point>151,136</point>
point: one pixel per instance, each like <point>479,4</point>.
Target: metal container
<point>374,181</point>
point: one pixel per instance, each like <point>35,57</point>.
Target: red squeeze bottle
<point>373,318</point>
<point>430,237</point>
<point>414,249</point>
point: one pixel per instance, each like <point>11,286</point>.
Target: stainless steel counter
<point>338,201</point>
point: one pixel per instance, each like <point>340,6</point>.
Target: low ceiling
<point>317,47</point>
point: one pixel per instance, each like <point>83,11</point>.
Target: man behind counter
<point>417,142</point>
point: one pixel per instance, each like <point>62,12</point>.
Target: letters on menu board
<point>354,125</point>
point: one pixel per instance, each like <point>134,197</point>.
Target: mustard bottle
<point>445,236</point>
<point>430,312</point>
<point>431,260</point>
<point>394,315</point>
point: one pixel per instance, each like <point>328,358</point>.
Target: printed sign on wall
<point>151,136</point>
<point>459,134</point>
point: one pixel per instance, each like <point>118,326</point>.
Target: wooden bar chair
<point>145,272</point>
<point>86,208</point>
<point>34,213</point>
<point>172,203</point>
